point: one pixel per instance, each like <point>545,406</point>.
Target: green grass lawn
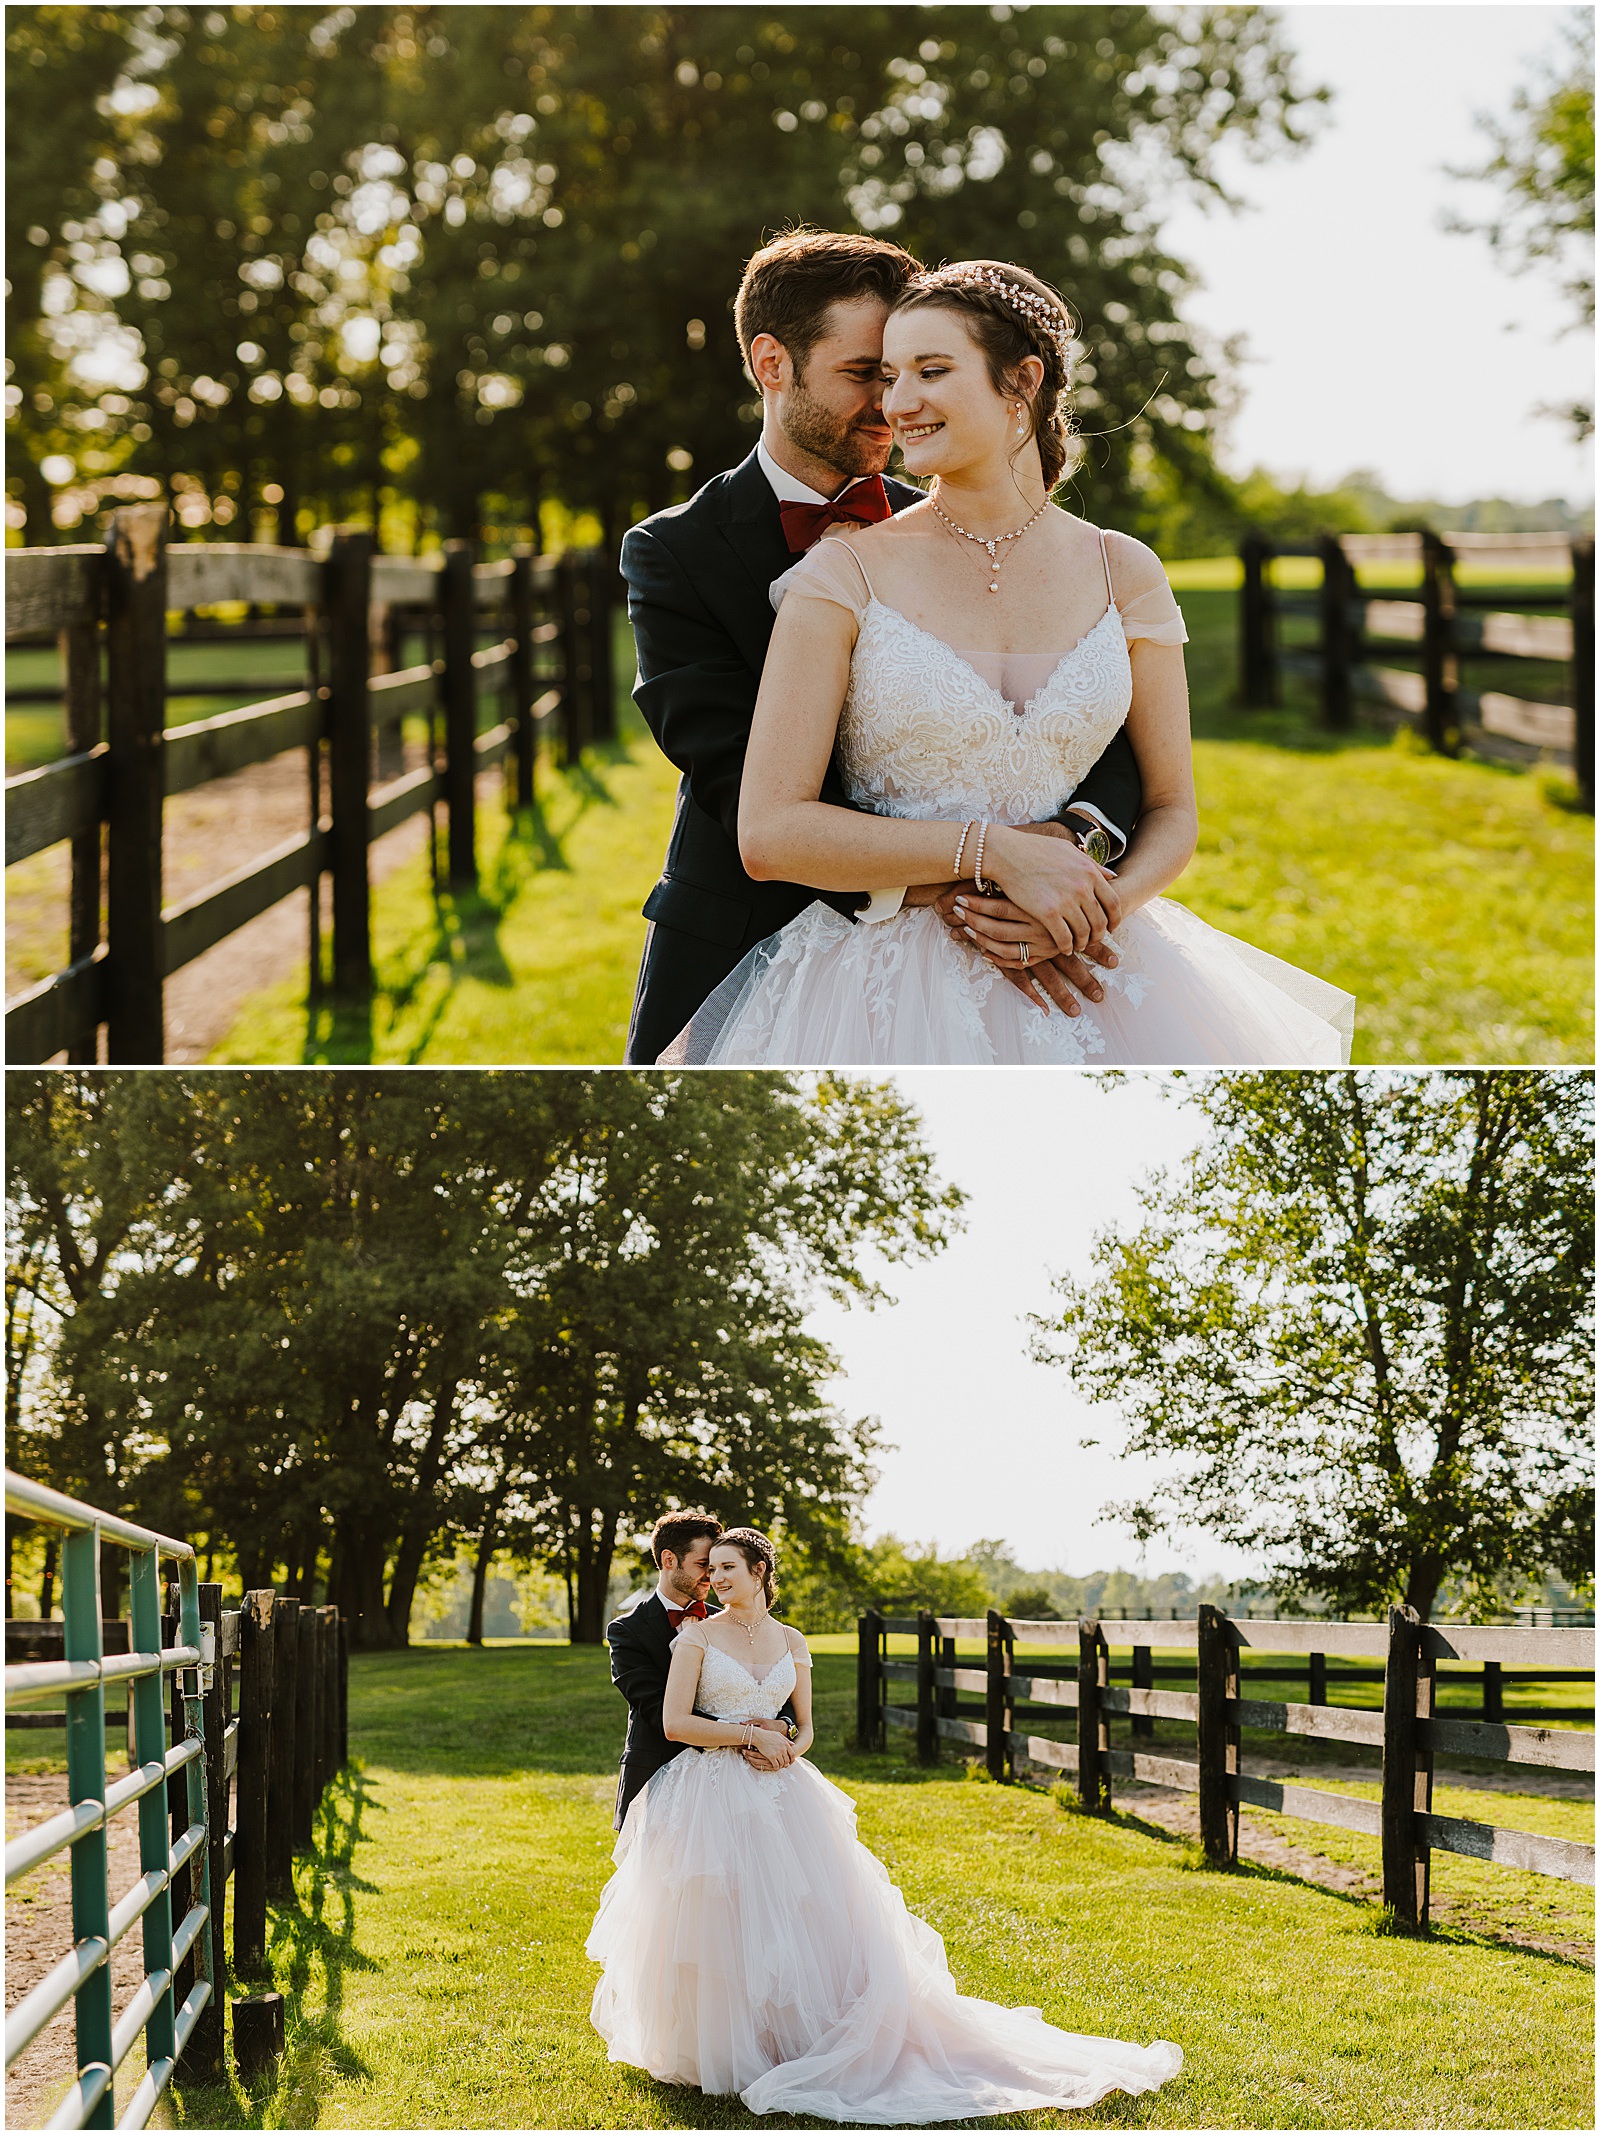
<point>436,1975</point>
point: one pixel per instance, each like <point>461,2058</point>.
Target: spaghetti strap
<point>1105,560</point>
<point>860,566</point>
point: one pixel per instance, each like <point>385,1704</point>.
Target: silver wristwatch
<point>1093,841</point>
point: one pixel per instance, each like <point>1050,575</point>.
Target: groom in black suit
<point>641,1648</point>
<point>809,313</point>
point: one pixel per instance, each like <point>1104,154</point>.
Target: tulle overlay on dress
<point>907,992</point>
<point>751,1944</point>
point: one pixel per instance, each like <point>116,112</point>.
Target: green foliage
<point>1356,1331</point>
<point>370,1315</point>
<point>482,254</point>
<point>827,1589</point>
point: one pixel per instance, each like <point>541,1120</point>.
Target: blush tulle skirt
<point>752,1945</point>
<point>829,992</point>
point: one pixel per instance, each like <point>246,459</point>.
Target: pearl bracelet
<point>961,848</point>
<point>984,889</point>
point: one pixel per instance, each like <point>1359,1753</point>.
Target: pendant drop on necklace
<point>994,585</point>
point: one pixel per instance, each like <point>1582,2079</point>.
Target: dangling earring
<point>1021,421</point>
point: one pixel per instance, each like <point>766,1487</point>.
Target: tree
<point>1543,164</point>
<point>341,1323</point>
<point>1356,1328</point>
<point>484,253</point>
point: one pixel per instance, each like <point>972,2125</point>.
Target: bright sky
<point>987,1443</point>
<point>1375,339</point>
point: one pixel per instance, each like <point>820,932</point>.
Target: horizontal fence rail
<point>112,610</point>
<point>1230,1656</point>
<point>227,1786</point>
<point>1446,623</point>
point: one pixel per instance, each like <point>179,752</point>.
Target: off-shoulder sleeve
<point>827,572</point>
<point>1144,599</point>
<point>691,1632</point>
<point>799,1651</point>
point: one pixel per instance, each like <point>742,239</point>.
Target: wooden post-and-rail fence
<point>110,606</point>
<point>1409,1731</point>
<point>257,1727</point>
<point>1446,622</point>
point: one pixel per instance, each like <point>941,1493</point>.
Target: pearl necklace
<point>749,1630</point>
<point>983,541</point>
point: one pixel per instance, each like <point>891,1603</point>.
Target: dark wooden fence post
<point>136,712</point>
<point>1440,666</point>
<point>525,740</point>
<point>1583,666</point>
<point>947,1695</point>
<point>256,1672</point>
<point>344,1693</point>
<point>205,2050</point>
<point>330,1695</point>
<point>347,591</point>
<point>1318,1679</point>
<point>1217,1752</point>
<point>1407,1769</point>
<point>575,677</point>
<point>602,576</point>
<point>996,1653</point>
<point>460,712</point>
<point>927,1733</point>
<point>80,675</point>
<point>280,1779</point>
<point>1258,653</point>
<point>1142,1676</point>
<point>1493,1692</point>
<point>305,1729</point>
<point>1094,1726</point>
<point>1338,592</point>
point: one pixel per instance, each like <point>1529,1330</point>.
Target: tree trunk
<point>47,1579</point>
<point>1422,1587</point>
<point>359,1554</point>
<point>422,1526</point>
<point>480,1571</point>
<point>597,1535</point>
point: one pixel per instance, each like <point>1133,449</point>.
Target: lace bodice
<point>930,732</point>
<point>923,734</point>
<point>728,1691</point>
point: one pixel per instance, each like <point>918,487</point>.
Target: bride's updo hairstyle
<point>1011,315</point>
<point>757,1552</point>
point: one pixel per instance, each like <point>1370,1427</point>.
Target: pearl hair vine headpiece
<point>1038,311</point>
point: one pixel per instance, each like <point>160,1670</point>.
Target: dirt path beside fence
<point>38,1936</point>
<point>209,834</point>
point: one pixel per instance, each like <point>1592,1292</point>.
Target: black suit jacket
<point>641,1654</point>
<point>697,578</point>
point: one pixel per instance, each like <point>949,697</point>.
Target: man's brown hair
<point>676,1530</point>
<point>789,285</point>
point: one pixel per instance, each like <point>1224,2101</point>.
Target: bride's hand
<point>770,1752</point>
<point>1072,896</point>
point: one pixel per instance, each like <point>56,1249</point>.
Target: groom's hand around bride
<point>1000,930</point>
<point>772,1750</point>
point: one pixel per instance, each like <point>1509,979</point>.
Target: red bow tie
<point>805,524</point>
<point>676,1616</point>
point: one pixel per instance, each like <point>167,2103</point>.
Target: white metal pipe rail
<point>172,1933</point>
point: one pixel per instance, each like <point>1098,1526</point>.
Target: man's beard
<point>836,442</point>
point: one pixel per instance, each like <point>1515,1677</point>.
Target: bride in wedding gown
<point>969,659</point>
<point>752,1944</point>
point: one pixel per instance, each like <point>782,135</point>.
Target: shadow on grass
<point>311,1945</point>
<point>461,938</point>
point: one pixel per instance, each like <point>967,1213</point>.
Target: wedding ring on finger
<point>1022,953</point>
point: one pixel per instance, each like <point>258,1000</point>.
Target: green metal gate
<point>97,1925</point>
